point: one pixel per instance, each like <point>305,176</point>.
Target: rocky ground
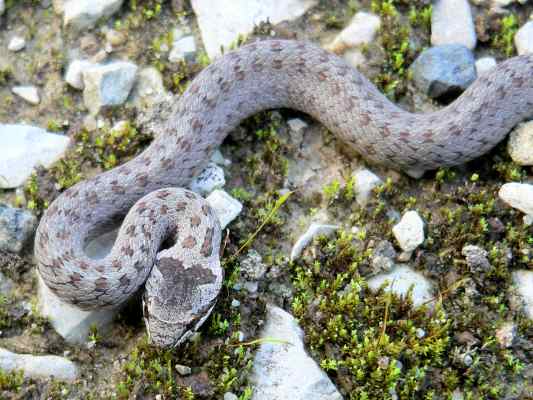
<point>343,280</point>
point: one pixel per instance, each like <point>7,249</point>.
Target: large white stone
<point>400,279</point>
<point>74,74</point>
<point>523,281</point>
<point>313,231</point>
<point>409,232</point>
<point>222,21</point>
<point>365,182</point>
<point>108,84</point>
<point>81,14</point>
<point>39,366</point>
<point>282,369</point>
<point>452,23</point>
<point>28,93</point>
<point>22,148</point>
<point>361,30</point>
<point>73,324</point>
<point>523,39</point>
<point>520,145</point>
<point>518,195</point>
<point>226,207</point>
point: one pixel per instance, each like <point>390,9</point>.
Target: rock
<point>6,284</point>
<point>22,148</point>
<point>523,39</point>
<point>230,396</point>
<point>444,70</point>
<point>16,43</point>
<point>523,280</point>
<point>82,14</point>
<point>361,30</point>
<point>520,144</point>
<point>73,324</point>
<point>400,279</point>
<point>484,65</point>
<point>283,370</point>
<point>115,38</point>
<point>518,195</point>
<point>252,267</point>
<point>28,93</point>
<point>211,178</point>
<point>476,258</point>
<point>148,89</point>
<point>226,207</point>
<point>2,7</point>
<point>16,228</point>
<point>183,370</point>
<point>39,366</point>
<point>383,257</point>
<point>297,129</point>
<point>108,84</point>
<point>409,232</point>
<point>74,74</point>
<point>218,158</point>
<point>313,231</point>
<point>505,334</point>
<point>452,23</point>
<point>365,182</point>
<point>222,21</point>
<point>184,49</point>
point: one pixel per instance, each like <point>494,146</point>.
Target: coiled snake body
<point>182,282</point>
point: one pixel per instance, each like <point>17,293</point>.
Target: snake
<point>168,243</point>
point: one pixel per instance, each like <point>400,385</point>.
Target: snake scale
<point>182,281</point>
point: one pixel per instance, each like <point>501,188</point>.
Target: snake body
<point>183,280</point>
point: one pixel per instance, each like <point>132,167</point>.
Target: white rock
<point>22,148</point>
<point>149,88</point>
<point>108,84</point>
<point>452,23</point>
<point>400,279</point>
<point>58,6</point>
<point>518,195</point>
<point>284,370</point>
<point>297,125</point>
<point>39,366</point>
<point>73,324</point>
<point>74,74</point>
<point>354,57</point>
<point>523,39</point>
<point>218,158</point>
<point>16,43</point>
<point>523,280</point>
<point>484,65</point>
<point>520,145</point>
<point>409,232</point>
<point>365,182</point>
<point>230,396</point>
<point>505,334</point>
<point>28,93</point>
<point>313,231</point>
<point>222,21</point>
<point>211,178</point>
<point>2,7</point>
<point>81,14</point>
<point>362,29</point>
<point>183,49</point>
<point>226,207</point>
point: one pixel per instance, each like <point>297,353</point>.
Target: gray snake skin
<point>182,282</point>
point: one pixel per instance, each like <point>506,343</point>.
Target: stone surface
<point>108,84</point>
<point>476,258</point>
<point>383,257</point>
<point>409,232</point>
<point>39,366</point>
<point>452,23</point>
<point>365,182</point>
<point>211,178</point>
<point>222,21</point>
<point>183,49</point>
<point>22,148</point>
<point>69,321</point>
<point>518,195</point>
<point>444,70</point>
<point>28,93</point>
<point>74,74</point>
<point>282,369</point>
<point>485,64</point>
<point>226,207</point>
<point>523,39</point>
<point>400,279</point>
<point>2,7</point>
<point>6,284</point>
<point>314,230</point>
<point>362,29</point>
<point>148,89</point>
<point>82,14</point>
<point>520,144</point>
<point>16,228</point>
<point>523,280</point>
<point>16,43</point>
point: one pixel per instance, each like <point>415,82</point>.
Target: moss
<point>503,39</point>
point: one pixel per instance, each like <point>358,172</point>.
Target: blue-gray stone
<point>445,70</point>
<point>16,228</point>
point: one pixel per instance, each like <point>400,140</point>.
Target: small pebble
<point>183,370</point>
<point>485,64</point>
<point>523,39</point>
<point>520,144</point>
<point>16,43</point>
<point>409,232</point>
<point>28,93</point>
